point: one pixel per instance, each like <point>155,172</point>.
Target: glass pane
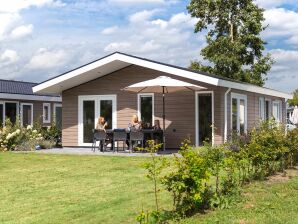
<point>267,110</point>
<point>275,111</point>
<point>242,116</point>
<point>46,112</point>
<point>205,118</point>
<point>146,110</point>
<point>106,111</point>
<point>88,120</point>
<point>27,118</point>
<point>234,114</point>
<point>11,111</point>
<point>58,117</point>
<point>1,115</point>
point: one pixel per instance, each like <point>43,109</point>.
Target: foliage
<point>234,45</point>
<point>188,180</point>
<point>154,169</point>
<point>15,137</point>
<point>294,101</point>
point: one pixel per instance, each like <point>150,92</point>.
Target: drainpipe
<point>226,115</point>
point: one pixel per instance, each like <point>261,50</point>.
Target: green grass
<point>72,189</point>
<point>36,188</point>
<point>274,201</point>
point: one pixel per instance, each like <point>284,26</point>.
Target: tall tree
<point>234,48</point>
<point>294,101</point>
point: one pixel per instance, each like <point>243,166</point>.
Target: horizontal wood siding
<point>180,107</point>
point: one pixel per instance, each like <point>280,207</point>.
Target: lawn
<point>72,189</point>
<point>37,188</point>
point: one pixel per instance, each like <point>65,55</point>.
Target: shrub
<point>188,180</point>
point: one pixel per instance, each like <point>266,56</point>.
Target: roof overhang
<point>30,97</point>
<point>116,61</point>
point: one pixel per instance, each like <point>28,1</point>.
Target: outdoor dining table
<point>149,134</point>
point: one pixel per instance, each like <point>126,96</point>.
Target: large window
<point>58,115</point>
<point>205,118</point>
<point>239,113</point>
<point>276,110</point>
<point>46,113</point>
<point>261,108</point>
<point>146,108</point>
<point>11,111</point>
<point>88,120</point>
<point>26,114</point>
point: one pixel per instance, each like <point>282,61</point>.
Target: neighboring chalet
<point>18,99</point>
<point>95,90</point>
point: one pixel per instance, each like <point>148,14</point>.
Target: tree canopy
<point>294,101</point>
<point>234,48</point>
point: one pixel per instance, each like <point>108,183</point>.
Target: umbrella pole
<point>164,118</point>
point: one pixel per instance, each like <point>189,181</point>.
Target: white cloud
<point>118,46</point>
<point>21,31</point>
<point>142,16</point>
<point>274,3</point>
<point>109,30</point>
<point>283,73</point>
<point>143,1</point>
<point>8,57</point>
<point>47,59</point>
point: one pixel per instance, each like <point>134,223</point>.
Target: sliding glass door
<point>26,114</point>
<point>11,111</point>
<point>90,109</point>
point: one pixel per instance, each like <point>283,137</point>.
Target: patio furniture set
<point>129,139</point>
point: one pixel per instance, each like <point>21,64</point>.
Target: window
<point>11,111</point>
<point>58,115</point>
<point>239,113</point>
<point>26,114</point>
<point>1,114</point>
<point>146,108</point>
<point>261,108</point>
<point>46,113</point>
<point>267,109</point>
<point>276,111</point>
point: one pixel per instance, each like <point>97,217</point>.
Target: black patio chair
<point>119,135</point>
<point>99,136</point>
<point>135,137</point>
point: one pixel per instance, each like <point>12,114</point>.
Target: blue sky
<point>43,38</point>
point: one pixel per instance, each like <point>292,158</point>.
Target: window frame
<point>239,97</point>
<point>54,112</point>
<point>262,108</point>
<point>49,112</point>
<point>140,95</point>
<point>21,112</point>
<point>279,103</point>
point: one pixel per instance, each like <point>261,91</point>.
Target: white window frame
<point>279,103</point>
<point>239,97</point>
<point>21,112</point>
<point>96,99</point>
<point>197,114</point>
<point>54,112</point>
<point>262,108</point>
<point>139,104</point>
<point>49,112</point>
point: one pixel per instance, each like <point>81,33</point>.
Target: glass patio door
<point>204,114</point>
<point>90,109</point>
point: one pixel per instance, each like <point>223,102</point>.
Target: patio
<point>87,151</point>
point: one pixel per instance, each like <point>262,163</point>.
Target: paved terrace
<point>88,151</point>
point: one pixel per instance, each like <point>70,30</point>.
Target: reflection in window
<point>46,113</point>
<point>234,114</point>
<point>146,109</point>
<point>88,120</point>
<point>27,118</point>
<point>242,116</point>
<point>205,118</point>
<point>11,112</point>
<point>239,113</point>
<point>106,111</point>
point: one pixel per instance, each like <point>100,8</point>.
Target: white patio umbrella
<point>294,117</point>
<point>163,84</point>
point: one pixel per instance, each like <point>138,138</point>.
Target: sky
<point>40,39</point>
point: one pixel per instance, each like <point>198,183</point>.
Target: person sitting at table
<point>135,124</point>
<point>101,124</point>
